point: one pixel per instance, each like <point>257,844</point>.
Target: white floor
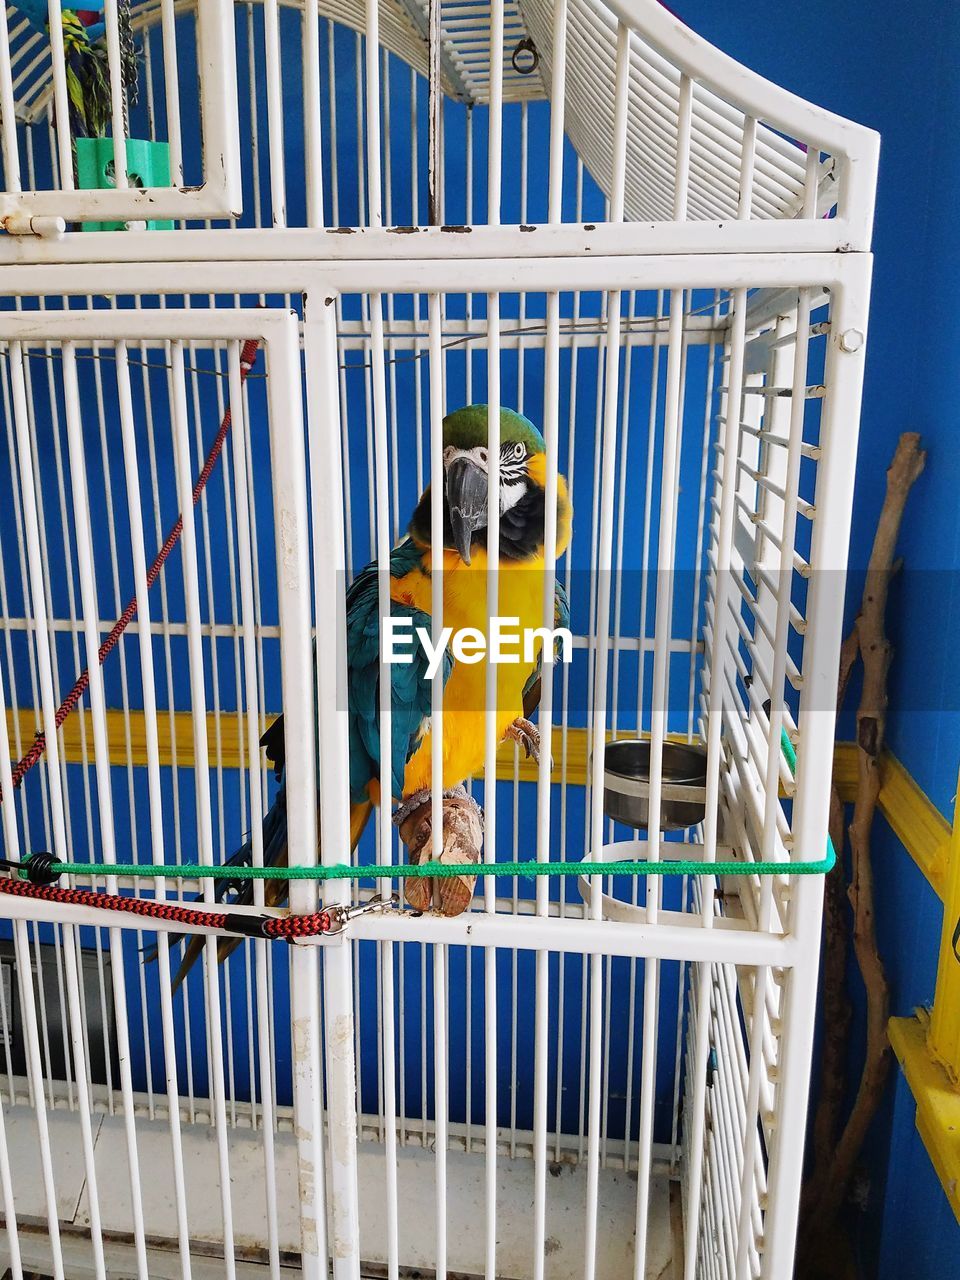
<point>465,1201</point>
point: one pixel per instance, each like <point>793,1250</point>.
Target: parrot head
<point>466,487</point>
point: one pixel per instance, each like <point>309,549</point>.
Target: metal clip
<point>341,916</point>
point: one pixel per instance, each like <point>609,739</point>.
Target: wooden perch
<point>462,842</point>
<point>827,1189</point>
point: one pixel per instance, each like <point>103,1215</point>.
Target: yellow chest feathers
<point>520,608</point>
<point>519,605</point>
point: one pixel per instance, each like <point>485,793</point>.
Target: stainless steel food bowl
<point>626,784</point>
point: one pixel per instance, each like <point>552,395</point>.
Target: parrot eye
<point>519,451</point>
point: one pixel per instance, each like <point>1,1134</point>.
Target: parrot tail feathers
<point>239,892</point>
<point>192,953</point>
<point>225,947</point>
<point>275,891</point>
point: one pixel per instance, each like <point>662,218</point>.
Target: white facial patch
<point>513,483</point>
<point>511,491</point>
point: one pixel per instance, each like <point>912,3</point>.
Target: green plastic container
<point>148,165</point>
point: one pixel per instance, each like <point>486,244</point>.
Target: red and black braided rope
<point>276,927</point>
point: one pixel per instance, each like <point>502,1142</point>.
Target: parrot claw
<point>526,735</point>
<point>419,798</point>
<point>409,806</point>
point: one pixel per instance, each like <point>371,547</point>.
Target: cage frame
<point>847,278</point>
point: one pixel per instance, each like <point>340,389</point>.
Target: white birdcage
<point>576,209</point>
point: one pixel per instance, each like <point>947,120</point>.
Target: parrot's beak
<point>466,500</point>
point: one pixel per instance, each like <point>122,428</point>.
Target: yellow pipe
<point>928,1045</point>
<point>944,1036</point>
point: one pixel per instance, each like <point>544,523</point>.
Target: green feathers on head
<point>467,428</point>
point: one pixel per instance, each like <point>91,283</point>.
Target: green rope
<point>444,870</point>
<point>786,747</point>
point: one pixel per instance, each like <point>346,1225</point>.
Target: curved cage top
<point>700,138</point>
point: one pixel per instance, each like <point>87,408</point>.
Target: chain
<point>128,62</point>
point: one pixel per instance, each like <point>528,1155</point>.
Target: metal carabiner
<point>340,916</point>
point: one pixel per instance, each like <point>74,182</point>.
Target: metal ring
<point>525,45</point>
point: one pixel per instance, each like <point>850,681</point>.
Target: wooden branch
<point>875,652</point>
<point>849,652</point>
<point>461,841</point>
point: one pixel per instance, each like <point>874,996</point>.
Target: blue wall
<point>897,72</point>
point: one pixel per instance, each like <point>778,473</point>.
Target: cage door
<point>75,97</point>
<point>96,437</point>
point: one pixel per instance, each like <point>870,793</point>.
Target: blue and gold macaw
<point>522,508</point>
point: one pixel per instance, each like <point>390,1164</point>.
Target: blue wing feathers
<point>410,709</point>
<point>561,605</point>
<point>561,618</point>
<point>410,687</point>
